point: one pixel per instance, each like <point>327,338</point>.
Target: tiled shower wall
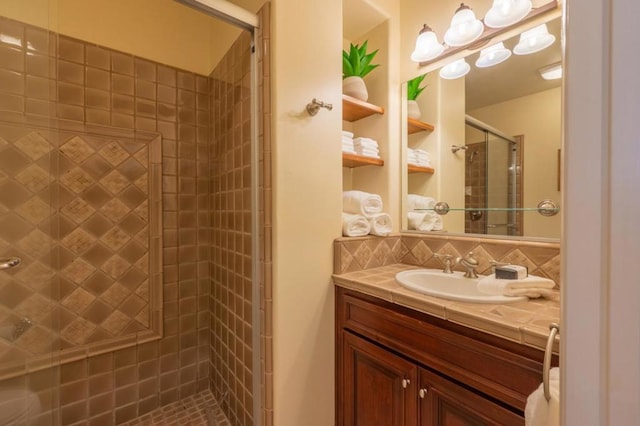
<point>231,307</point>
<point>44,74</point>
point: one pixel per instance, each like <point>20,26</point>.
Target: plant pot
<point>413,110</point>
<point>355,87</point>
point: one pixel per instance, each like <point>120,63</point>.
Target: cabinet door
<point>445,403</point>
<point>377,388</point>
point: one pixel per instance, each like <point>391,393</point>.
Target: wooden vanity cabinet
<point>399,367</point>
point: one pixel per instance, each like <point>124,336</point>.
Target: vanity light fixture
<point>455,69</point>
<point>551,72</point>
<point>465,28</point>
<point>534,40</point>
<point>506,12</point>
<point>493,55</point>
<point>427,46</point>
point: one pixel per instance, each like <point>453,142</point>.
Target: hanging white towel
<point>424,221</point>
<point>380,224</point>
<point>360,202</point>
<point>531,286</point>
<point>420,202</point>
<point>355,225</point>
<point>540,412</point>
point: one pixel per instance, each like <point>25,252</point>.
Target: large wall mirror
<point>495,147</point>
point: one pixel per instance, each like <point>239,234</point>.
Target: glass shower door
<point>27,219</point>
<point>500,171</point>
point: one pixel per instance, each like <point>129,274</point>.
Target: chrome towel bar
<point>554,329</point>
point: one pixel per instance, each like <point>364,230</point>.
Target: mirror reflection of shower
<point>493,179</point>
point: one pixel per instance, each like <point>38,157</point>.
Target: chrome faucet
<point>470,264</point>
<point>447,259</point>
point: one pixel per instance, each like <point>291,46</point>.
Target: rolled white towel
<point>540,412</point>
<point>360,202</point>
<point>531,286</point>
<point>420,202</point>
<point>355,225</point>
<point>424,221</point>
<point>380,224</point>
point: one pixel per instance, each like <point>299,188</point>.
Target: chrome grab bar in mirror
<point>546,365</point>
<point>545,208</point>
<point>9,262</point>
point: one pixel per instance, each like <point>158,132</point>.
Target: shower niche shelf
<point>415,126</point>
<point>354,109</point>
<point>420,169</point>
<point>352,161</point>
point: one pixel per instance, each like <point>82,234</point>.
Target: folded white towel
<point>380,224</point>
<point>420,202</point>
<point>540,412</point>
<point>348,150</point>
<point>366,149</point>
<point>347,134</point>
<point>424,221</point>
<point>367,153</point>
<point>365,142</point>
<point>531,286</point>
<point>360,202</point>
<point>347,139</point>
<point>355,225</point>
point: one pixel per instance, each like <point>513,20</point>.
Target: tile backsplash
<point>354,254</point>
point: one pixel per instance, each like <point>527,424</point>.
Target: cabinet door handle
<point>405,383</point>
<point>423,393</point>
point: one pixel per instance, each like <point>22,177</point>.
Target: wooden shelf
<point>415,126</point>
<point>419,169</point>
<point>354,109</point>
<point>352,160</point>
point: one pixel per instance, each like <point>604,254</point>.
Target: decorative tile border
<point>83,210</point>
<point>354,254</point>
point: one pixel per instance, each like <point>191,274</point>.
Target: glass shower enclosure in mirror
<point>495,143</point>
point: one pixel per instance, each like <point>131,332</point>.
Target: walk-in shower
<point>129,192</point>
<point>493,180</point>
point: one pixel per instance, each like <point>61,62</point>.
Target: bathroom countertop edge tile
<point>521,322</point>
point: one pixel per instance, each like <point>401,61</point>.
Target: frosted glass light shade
<point>506,12</point>
<point>551,72</point>
<point>465,27</point>
<point>493,55</point>
<point>455,69</point>
<point>534,40</point>
<point>427,46</point>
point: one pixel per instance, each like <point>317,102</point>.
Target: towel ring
<point>546,366</point>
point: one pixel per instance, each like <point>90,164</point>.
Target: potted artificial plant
<point>413,91</point>
<point>355,65</point>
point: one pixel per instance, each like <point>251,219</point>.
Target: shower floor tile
<point>198,410</point>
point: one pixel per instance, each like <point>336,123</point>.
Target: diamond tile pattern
<point>100,188</point>
<point>355,254</point>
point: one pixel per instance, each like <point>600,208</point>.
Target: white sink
<point>454,286</point>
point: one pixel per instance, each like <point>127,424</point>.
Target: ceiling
<point>516,77</point>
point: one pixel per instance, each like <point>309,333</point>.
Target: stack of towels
<point>362,215</point>
<point>366,147</point>
<point>531,286</point>
<point>418,157</point>
<point>347,142</point>
<point>421,216</point>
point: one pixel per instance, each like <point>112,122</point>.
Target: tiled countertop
<point>523,322</point>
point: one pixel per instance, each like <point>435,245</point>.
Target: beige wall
<point>306,205</point>
<point>161,30</point>
<point>538,118</point>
